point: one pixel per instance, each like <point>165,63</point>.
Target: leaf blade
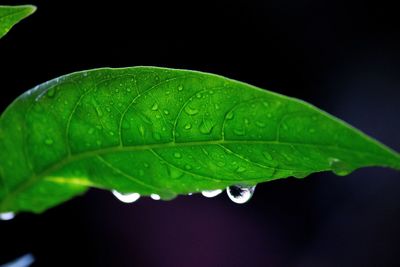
<point>11,15</point>
<point>153,130</point>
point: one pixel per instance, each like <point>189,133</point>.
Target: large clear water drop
<point>240,193</point>
<point>126,198</point>
<point>211,193</point>
<point>6,216</point>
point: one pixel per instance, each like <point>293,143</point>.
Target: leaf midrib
<point>117,149</point>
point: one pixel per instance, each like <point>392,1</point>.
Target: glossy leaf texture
<point>162,131</point>
<point>11,15</point>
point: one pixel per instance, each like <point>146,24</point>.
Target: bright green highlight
<point>11,15</point>
<point>164,131</point>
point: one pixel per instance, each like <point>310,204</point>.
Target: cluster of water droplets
<point>237,193</point>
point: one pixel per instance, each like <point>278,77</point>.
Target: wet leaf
<point>11,15</point>
<point>164,132</point>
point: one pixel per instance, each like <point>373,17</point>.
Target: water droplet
<point>221,163</point>
<point>240,193</point>
<point>117,90</point>
<point>188,126</point>
<point>246,121</point>
<point>188,167</point>
<point>261,124</point>
<point>48,141</point>
<point>128,89</point>
<point>177,155</point>
<point>6,216</point>
<point>239,131</point>
<point>175,173</point>
<point>158,116</point>
<point>126,197</point>
<point>300,174</point>
<point>154,107</point>
<point>211,193</point>
<point>339,167</point>
<point>206,127</point>
<point>267,155</point>
<point>99,112</point>
<point>141,130</point>
<point>51,92</point>
<point>216,106</point>
<point>191,111</point>
<point>108,109</point>
<point>155,197</point>
<point>180,87</point>
<point>198,95</point>
<point>166,112</point>
<point>229,116</point>
<point>240,169</point>
<point>111,133</point>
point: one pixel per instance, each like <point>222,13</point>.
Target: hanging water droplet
<point>211,193</point>
<point>48,141</point>
<point>126,197</point>
<point>6,216</point>
<point>206,127</point>
<point>191,111</point>
<point>240,193</point>
<point>339,167</point>
<point>188,126</point>
<point>155,197</point>
<point>154,107</point>
<point>177,155</point>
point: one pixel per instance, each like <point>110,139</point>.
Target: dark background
<point>342,57</point>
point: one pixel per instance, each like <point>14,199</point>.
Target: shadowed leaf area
<point>161,131</point>
<point>11,15</point>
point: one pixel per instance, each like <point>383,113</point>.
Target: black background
<point>343,57</point>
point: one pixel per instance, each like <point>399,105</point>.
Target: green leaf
<point>168,132</point>
<point>11,15</point>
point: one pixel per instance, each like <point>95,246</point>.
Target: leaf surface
<point>11,15</point>
<point>164,131</point>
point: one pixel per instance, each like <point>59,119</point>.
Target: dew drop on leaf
<point>6,216</point>
<point>51,92</point>
<point>240,169</point>
<point>177,155</point>
<point>191,111</point>
<point>180,87</point>
<point>206,127</point>
<point>48,141</point>
<point>239,131</point>
<point>155,197</point>
<point>126,198</point>
<point>166,112</point>
<point>188,126</point>
<point>211,193</point>
<point>229,116</point>
<point>154,107</point>
<point>240,193</point>
<point>188,167</point>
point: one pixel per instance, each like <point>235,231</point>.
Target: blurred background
<point>343,57</point>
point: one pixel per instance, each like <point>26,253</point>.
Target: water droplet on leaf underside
<point>339,167</point>
<point>126,198</point>
<point>211,193</point>
<point>155,197</point>
<point>6,216</point>
<point>240,193</point>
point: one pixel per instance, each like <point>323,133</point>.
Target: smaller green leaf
<point>11,15</point>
